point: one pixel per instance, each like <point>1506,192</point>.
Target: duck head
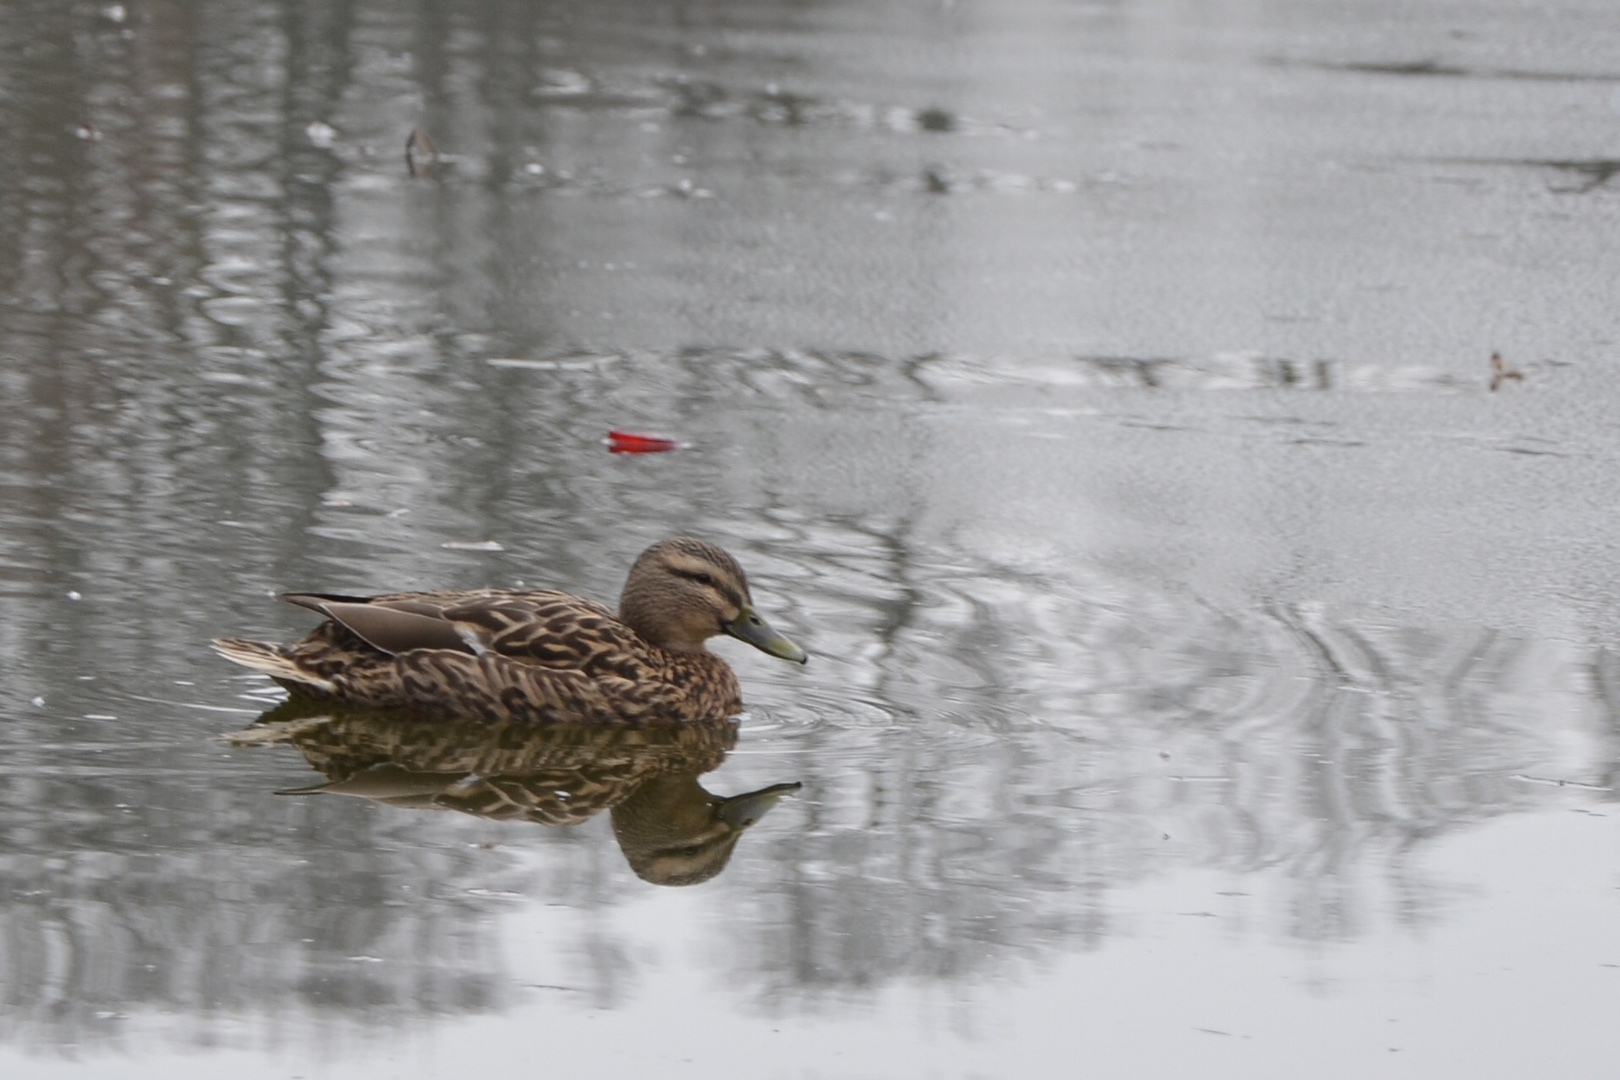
<point>681,592</point>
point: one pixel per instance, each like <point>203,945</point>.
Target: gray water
<point>1211,673</point>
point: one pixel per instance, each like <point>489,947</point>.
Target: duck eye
<point>696,575</point>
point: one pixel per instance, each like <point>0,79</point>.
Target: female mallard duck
<point>499,654</point>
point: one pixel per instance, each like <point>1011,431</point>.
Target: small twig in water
<point>1500,372</point>
<point>420,144</point>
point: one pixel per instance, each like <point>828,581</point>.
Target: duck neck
<point>707,683</point>
<point>653,620</point>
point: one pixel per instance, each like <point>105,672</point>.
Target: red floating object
<point>628,442</point>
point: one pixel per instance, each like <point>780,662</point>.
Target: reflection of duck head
<point>671,830</point>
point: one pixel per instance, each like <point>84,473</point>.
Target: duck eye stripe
<point>704,578</point>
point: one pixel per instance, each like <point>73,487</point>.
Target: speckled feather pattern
<point>550,657</point>
<point>533,655</point>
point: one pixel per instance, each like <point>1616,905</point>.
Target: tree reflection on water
<point>1086,619</point>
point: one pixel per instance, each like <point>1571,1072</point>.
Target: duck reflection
<point>671,829</point>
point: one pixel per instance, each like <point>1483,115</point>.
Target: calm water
<point>1210,673</point>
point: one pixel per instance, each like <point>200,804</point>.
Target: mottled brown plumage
<point>538,656</point>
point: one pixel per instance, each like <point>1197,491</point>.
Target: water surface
<point>1210,672</point>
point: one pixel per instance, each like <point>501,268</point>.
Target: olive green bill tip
<point>749,627</point>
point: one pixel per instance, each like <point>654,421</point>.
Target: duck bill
<point>741,811</point>
<point>749,627</point>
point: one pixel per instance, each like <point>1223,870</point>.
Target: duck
<point>538,656</point>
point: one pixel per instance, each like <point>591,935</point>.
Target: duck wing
<point>392,625</point>
<point>554,630</point>
<point>546,628</point>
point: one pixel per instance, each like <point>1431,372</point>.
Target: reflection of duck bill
<point>673,832</point>
<point>741,811</point>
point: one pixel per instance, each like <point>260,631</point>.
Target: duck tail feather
<point>269,659</point>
